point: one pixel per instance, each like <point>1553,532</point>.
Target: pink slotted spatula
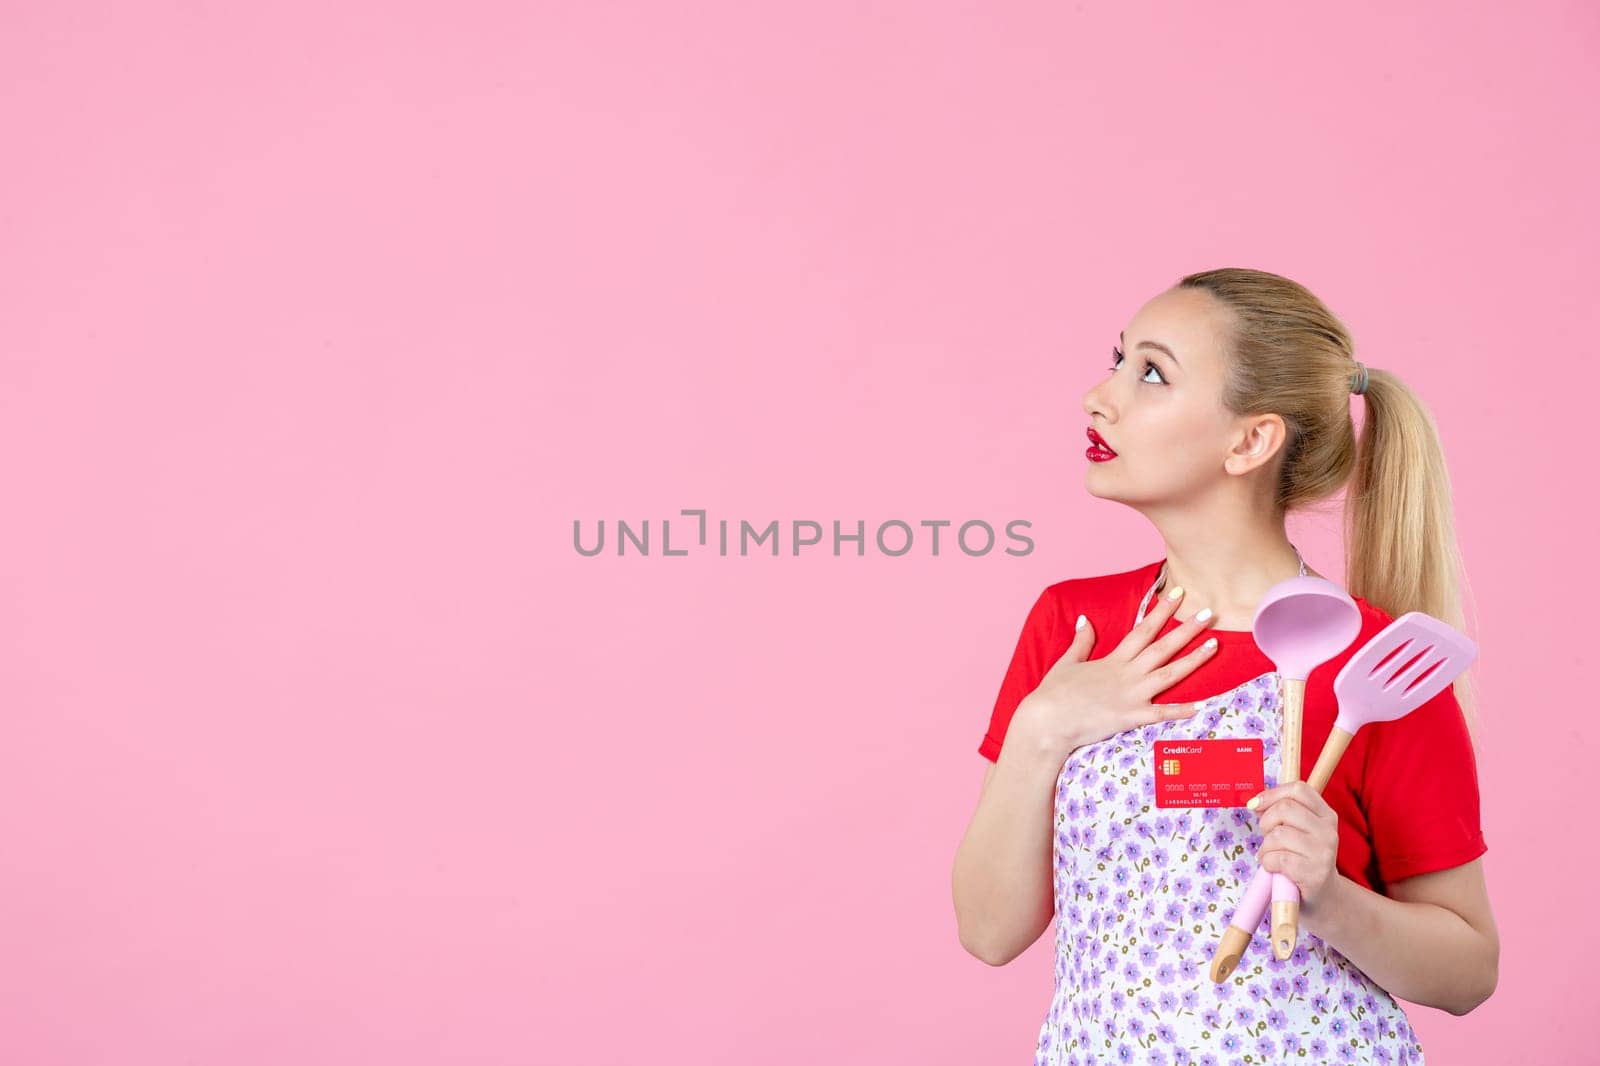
<point>1406,664</point>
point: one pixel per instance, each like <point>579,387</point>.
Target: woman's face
<point>1160,407</point>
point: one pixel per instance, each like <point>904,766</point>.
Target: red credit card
<point>1208,773</point>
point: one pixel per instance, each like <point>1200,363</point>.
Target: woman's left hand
<point>1300,839</point>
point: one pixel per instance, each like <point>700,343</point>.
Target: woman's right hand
<point>1081,700</point>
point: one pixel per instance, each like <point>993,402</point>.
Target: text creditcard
<point>1208,773</point>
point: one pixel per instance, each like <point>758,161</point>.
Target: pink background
<point>323,323</point>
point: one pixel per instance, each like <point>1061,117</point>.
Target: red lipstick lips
<point>1099,451</point>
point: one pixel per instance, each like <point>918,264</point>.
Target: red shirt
<point>1406,791</point>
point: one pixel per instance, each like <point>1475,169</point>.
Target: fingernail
<point>1254,802</point>
<point>1082,621</point>
<point>1203,615</point>
<point>1177,590</point>
<point>1210,645</point>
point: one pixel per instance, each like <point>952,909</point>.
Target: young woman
<point>1229,408</point>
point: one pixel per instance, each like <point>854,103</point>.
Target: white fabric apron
<point>1142,895</point>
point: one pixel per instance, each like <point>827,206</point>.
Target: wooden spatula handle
<point>1332,752</point>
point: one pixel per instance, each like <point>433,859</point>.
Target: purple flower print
<point>1241,815</point>
<point>1208,1059</point>
<point>1108,791</point>
<point>1147,880</point>
<point>1157,1057</point>
<point>1347,1000</point>
<point>1229,1042</point>
<point>1158,933</point>
<point>1243,869</point>
<point>1210,890</point>
<point>1291,1043</point>
<point>1243,1016</point>
<point>1211,1018</point>
<point>1190,999</point>
<point>1257,993</point>
<point>1319,1049</point>
<point>1124,1053</point>
<point>1301,954</point>
<point>1319,1003</point>
<point>1164,973</point>
<point>1130,973</point>
<point>1300,983</point>
<point>1182,886</point>
<point>1380,1055</point>
<point>1330,975</point>
<point>1253,725</point>
<point>1174,912</point>
<point>1205,865</point>
<point>1197,910</point>
<point>1188,969</point>
<point>1224,838</point>
<point>1132,851</point>
<point>1280,987</point>
<point>1266,1047</point>
<point>1182,943</point>
<point>1368,1031</point>
<point>1073,809</point>
<point>1117,831</point>
<point>1337,1026</point>
<point>1168,1002</point>
<point>1136,1026</point>
<point>1276,1019</point>
<point>1370,1002</point>
<point>1148,955</point>
<point>1347,1053</point>
<point>1119,1000</point>
<point>1252,844</point>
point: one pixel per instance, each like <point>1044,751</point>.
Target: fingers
<point>1082,642</point>
<point>1140,636</point>
<point>1159,680</point>
<point>1295,805</point>
<point>1154,713</point>
<point>1167,646</point>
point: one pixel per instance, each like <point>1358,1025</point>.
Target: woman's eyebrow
<point>1151,344</point>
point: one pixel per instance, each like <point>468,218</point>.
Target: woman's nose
<point>1096,401</point>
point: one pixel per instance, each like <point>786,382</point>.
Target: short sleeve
<point>1027,669</point>
<point>1420,791</point>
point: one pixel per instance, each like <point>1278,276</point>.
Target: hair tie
<point>1358,380</point>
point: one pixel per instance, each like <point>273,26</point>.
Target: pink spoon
<point>1300,624</point>
<point>1403,666</point>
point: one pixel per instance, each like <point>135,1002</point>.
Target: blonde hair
<point>1287,354</point>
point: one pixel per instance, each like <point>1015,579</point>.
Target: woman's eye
<point>1149,368</point>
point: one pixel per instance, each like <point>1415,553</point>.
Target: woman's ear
<point>1260,438</point>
